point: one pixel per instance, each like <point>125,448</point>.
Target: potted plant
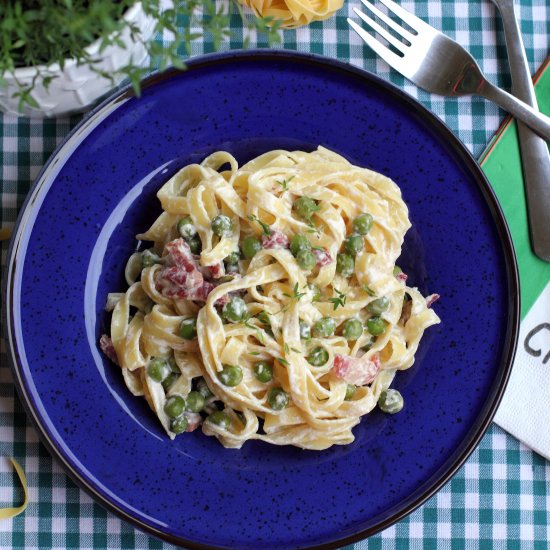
<point>60,56</point>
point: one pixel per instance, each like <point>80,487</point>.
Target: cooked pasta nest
<point>270,306</point>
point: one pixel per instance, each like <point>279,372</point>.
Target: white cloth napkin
<point>525,407</point>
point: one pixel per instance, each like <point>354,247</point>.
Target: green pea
<point>350,391</point>
<point>149,258</point>
<point>174,406</point>
<point>362,224</point>
<point>298,243</point>
<point>195,245</point>
<point>305,207</point>
<point>315,292</point>
<point>195,402</point>
<point>354,244</point>
<point>173,364</point>
<point>378,306</point>
<point>186,229</point>
<point>250,247</point>
<point>231,375</point>
<point>158,369</point>
<point>390,401</point>
<point>396,270</point>
<point>278,399</point>
<point>219,418</point>
<point>376,325</point>
<point>235,310</point>
<point>323,328</point>
<point>233,258</point>
<point>179,425</point>
<point>305,331</point>
<point>222,226</point>
<point>345,265</point>
<point>263,371</point>
<point>188,328</point>
<point>352,330</point>
<point>306,259</point>
<point>317,356</point>
<point>169,380</point>
<point>203,388</point>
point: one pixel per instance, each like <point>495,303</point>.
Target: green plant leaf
<point>34,33</point>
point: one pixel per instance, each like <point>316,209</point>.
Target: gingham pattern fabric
<point>499,499</point>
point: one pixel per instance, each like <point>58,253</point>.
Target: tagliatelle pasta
<point>294,13</point>
<point>269,306</point>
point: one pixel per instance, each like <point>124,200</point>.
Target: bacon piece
<point>323,257</point>
<point>217,271</point>
<point>431,299</point>
<point>277,239</point>
<point>201,293</point>
<point>402,277</point>
<point>181,277</point>
<point>106,346</point>
<point>195,420</point>
<point>356,370</point>
<point>222,300</point>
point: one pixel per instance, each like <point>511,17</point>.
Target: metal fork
<point>437,63</point>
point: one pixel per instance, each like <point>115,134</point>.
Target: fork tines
<point>408,38</point>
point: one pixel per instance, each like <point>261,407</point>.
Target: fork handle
<point>534,119</point>
<point>534,151</point>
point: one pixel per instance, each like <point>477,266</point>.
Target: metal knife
<point>534,150</point>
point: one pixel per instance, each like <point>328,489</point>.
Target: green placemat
<point>524,410</point>
<point>501,161</point>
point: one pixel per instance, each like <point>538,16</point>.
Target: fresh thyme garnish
<point>284,183</point>
<point>287,349</point>
<point>282,361</point>
<point>254,353</point>
<point>315,229</point>
<point>295,350</point>
<point>266,229</point>
<point>259,336</point>
<point>295,294</point>
<point>340,300</point>
<point>368,290</point>
<point>263,317</point>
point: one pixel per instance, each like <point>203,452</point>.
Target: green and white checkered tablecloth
<point>499,499</point>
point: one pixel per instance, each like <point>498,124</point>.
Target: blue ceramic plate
<point>77,229</point>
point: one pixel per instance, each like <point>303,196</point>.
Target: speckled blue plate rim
<point>99,114</point>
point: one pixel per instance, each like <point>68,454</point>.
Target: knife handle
<point>534,150</point>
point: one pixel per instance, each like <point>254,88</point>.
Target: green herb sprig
<point>265,227</point>
<point>37,33</point>
<point>296,295</point>
<point>259,334</point>
<point>338,300</point>
<point>284,183</point>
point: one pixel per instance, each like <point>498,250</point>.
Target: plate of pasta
<point>288,309</point>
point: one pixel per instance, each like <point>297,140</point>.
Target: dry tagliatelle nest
<point>294,13</point>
